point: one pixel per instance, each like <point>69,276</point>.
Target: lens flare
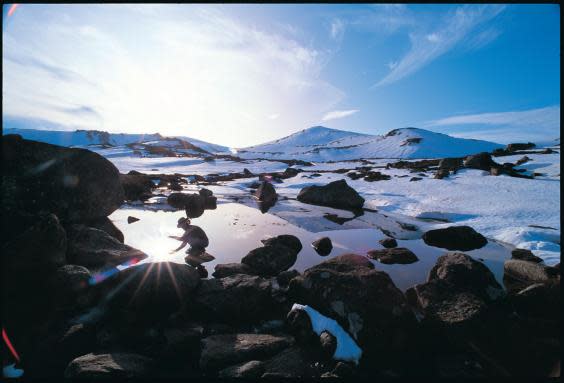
<point>12,9</point>
<point>9,344</point>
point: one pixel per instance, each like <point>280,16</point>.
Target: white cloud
<point>337,29</point>
<point>533,125</point>
<point>427,46</point>
<point>335,114</point>
<point>178,69</point>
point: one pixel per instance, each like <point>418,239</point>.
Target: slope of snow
<point>323,144</point>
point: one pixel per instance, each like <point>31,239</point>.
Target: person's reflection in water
<point>198,241</point>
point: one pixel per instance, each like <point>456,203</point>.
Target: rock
<point>223,270</point>
<point>194,204</point>
<point>413,179</point>
<point>220,351</point>
<point>285,277</point>
<point>109,366</point>
<point>74,184</point>
<point>455,238</point>
<point>106,225</point>
<point>481,161</point>
<point>525,255</point>
<point>328,344</point>
<point>522,160</point>
<point>520,274</point>
<point>343,370</point>
<point>335,194</point>
<point>175,186</point>
<point>235,298</point>
<point>131,219</point>
<point>323,246</point>
<point>450,163</point>
<point>392,256</point>
<point>94,249</point>
<point>293,362</point>
<point>210,203</point>
<point>266,192</point>
<point>520,146</point>
<point>441,173</point>
<point>496,171</point>
<point>278,254</point>
<point>252,369</point>
<point>205,192</point>
<point>136,186</point>
<point>247,172</point>
<point>70,284</point>
<point>376,176</point>
<point>153,289</point>
<point>197,257</point>
<point>461,272</point>
<point>539,300</point>
<point>290,172</point>
<point>388,243</point>
<point>363,300</point>
<point>299,325</point>
<point>182,340</point>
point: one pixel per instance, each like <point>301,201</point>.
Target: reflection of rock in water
<point>265,206</point>
<point>341,220</point>
<point>266,196</point>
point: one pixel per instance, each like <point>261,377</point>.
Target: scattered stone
<point>228,269</point>
<point>175,186</point>
<point>392,256</point>
<point>323,246</point>
<point>522,160</point>
<point>450,163</point>
<point>335,194</point>
<point>132,219</point>
<point>266,192</point>
<point>525,255</point>
<point>136,186</point>
<point>462,238</point>
<point>376,176</point>
<point>278,254</point>
<point>285,277</point>
<point>481,161</point>
<point>413,179</point>
<point>520,146</point>
<point>109,366</point>
<point>441,173</point>
<point>388,243</point>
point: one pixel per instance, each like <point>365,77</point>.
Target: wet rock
<point>461,272</point>
<point>285,277</point>
<point>363,300</point>
<point>290,172</point>
<point>335,194</point>
<point>220,351</point>
<point>252,369</point>
<point>109,366</point>
<point>74,184</point>
<point>234,298</point>
<point>106,225</point>
<point>136,186</point>
<point>441,173</point>
<point>397,255</point>
<point>153,289</point>
<point>328,344</point>
<point>481,161</point>
<point>455,238</point>
<point>278,254</point>
<point>266,192</point>
<point>525,255</point>
<point>223,270</point>
<point>132,219</point>
<point>247,172</point>
<point>194,204</point>
<point>522,160</point>
<point>520,274</point>
<point>94,249</point>
<point>450,163</point>
<point>323,246</point>
<point>388,243</point>
<point>520,146</point>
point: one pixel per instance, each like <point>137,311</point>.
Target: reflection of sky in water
<point>234,229</point>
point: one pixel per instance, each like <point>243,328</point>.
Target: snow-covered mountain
<point>84,138</point>
<point>324,144</point>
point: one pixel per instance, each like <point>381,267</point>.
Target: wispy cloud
<point>428,45</point>
<point>335,114</point>
<point>337,29</point>
<point>534,125</point>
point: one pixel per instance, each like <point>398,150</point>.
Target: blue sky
<point>239,75</point>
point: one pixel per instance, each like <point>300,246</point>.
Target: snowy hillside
<point>85,138</point>
<point>323,144</point>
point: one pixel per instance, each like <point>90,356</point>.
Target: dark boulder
<point>481,161</point>
<point>106,225</point>
<point>323,246</point>
<point>194,202</point>
<point>293,362</point>
<point>371,176</point>
<point>136,186</point>
<point>109,366</point>
<point>518,274</point>
<point>539,300</point>
<point>223,270</point>
<point>450,163</point>
<point>522,160</point>
<point>251,369</point>
<point>525,255</point>
<point>455,238</point>
<point>278,254</point>
<point>363,300</point>
<point>266,192</point>
<point>520,146</point>
<point>70,286</point>
<point>328,344</point>
<point>132,219</point>
<point>414,179</point>
<point>288,240</point>
<point>335,194</point>
<point>220,351</point>
<point>205,192</point>
<point>392,256</point>
<point>441,173</point>
<point>96,249</point>
<point>75,184</point>
<point>299,325</point>
<point>388,243</point>
<point>285,277</point>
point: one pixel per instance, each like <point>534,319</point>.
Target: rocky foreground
<point>70,313</point>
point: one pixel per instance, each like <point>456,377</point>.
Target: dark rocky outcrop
<point>335,194</point>
<point>450,163</point>
<point>251,369</point>
<point>106,225</point>
<point>525,255</point>
<point>388,243</point>
<point>109,366</point>
<point>74,184</point>
<point>519,274</point>
<point>136,186</point>
<point>441,173</point>
<point>223,270</point>
<point>392,256</point>
<point>132,219</point>
<point>278,254</point>
<point>266,192</point>
<point>455,238</point>
<point>323,246</point>
<point>481,161</point>
<point>520,146</point>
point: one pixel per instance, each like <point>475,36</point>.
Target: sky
<point>239,75</point>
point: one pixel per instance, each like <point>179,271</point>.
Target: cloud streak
<point>428,45</point>
<point>336,114</point>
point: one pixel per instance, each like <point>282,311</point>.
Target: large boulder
<point>388,243</point>
<point>75,184</point>
<point>335,194</point>
<point>223,270</point>
<point>519,274</point>
<point>109,366</point>
<point>450,163</point>
<point>278,254</point>
<point>96,249</point>
<point>481,161</point>
<point>266,192</point>
<point>455,238</point>
<point>236,298</point>
<point>363,300</point>
<point>520,146</point>
<point>525,255</point>
<point>105,224</point>
<point>220,351</point>
<point>322,246</point>
<point>137,186</point>
<point>293,362</point>
<point>70,286</point>
<point>392,256</point>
